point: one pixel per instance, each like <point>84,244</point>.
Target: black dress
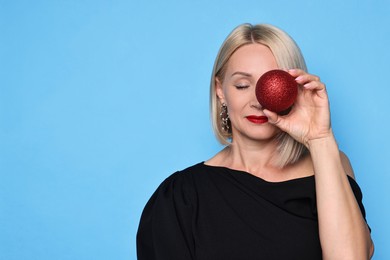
<point>216,213</point>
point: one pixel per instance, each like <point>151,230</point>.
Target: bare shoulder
<point>346,164</point>
<point>302,168</point>
<point>307,165</point>
<point>218,159</point>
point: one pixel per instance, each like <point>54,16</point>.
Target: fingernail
<point>299,78</point>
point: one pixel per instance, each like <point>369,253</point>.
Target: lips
<point>257,119</point>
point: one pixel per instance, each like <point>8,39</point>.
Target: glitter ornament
<point>276,90</point>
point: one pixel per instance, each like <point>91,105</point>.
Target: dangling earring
<point>224,118</point>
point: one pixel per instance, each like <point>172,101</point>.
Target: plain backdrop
<point>102,100</point>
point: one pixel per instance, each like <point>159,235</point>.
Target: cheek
<point>236,101</point>
<point>236,109</point>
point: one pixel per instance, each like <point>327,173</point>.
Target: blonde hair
<point>287,55</point>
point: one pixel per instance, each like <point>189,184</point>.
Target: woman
<point>280,189</point>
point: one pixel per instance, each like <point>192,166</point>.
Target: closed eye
<point>242,86</point>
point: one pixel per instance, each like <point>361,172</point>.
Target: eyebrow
<point>242,73</point>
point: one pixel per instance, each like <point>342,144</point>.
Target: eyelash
<point>242,86</point>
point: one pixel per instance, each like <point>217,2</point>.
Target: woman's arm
<point>344,233</point>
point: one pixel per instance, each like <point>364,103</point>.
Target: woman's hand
<point>309,118</point>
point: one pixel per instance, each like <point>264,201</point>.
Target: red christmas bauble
<point>276,90</point>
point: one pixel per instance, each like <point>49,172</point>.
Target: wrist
<point>323,141</point>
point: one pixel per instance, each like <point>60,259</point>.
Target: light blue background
<point>102,100</point>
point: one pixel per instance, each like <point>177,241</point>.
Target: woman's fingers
<point>314,85</point>
<point>302,77</point>
<point>296,72</point>
<point>306,78</point>
<point>307,81</point>
<point>275,119</point>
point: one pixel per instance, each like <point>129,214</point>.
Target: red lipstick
<point>257,119</point>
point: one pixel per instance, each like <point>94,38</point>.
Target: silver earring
<point>224,118</point>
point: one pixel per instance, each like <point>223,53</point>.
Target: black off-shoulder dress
<point>216,213</point>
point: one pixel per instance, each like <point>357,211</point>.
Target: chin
<point>259,134</point>
<point>267,133</point>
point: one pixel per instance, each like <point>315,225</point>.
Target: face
<point>237,91</point>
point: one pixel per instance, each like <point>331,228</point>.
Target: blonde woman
<point>280,189</point>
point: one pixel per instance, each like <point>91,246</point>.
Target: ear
<point>219,90</point>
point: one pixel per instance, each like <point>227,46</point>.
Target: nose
<point>255,104</point>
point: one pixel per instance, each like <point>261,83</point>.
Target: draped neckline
<point>250,175</point>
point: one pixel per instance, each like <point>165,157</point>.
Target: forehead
<point>252,58</point>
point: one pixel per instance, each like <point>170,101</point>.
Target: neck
<point>251,156</point>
